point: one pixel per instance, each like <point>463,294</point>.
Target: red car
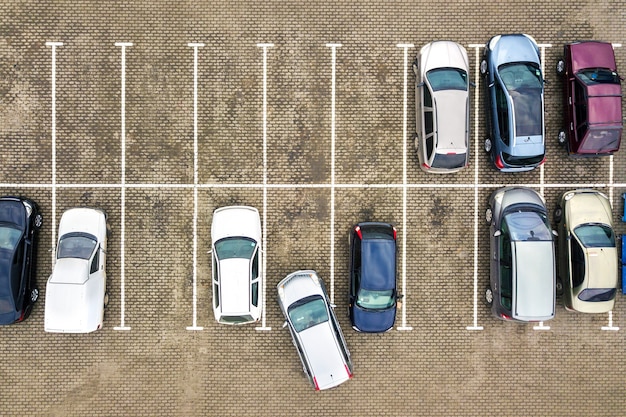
<point>593,99</point>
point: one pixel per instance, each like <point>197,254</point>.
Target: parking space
<point>299,112</point>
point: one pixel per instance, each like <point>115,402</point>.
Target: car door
<point>355,269</point>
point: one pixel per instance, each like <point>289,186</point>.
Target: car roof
<point>451,107</point>
<point>601,267</point>
<point>535,281</point>
<point>235,286</point>
<point>604,105</point>
<point>378,268</point>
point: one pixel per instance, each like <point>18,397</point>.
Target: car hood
<point>70,271</point>
<point>298,286</point>
<point>443,54</point>
<point>235,286</point>
<point>74,308</point>
<point>327,365</point>
<point>236,221</point>
<point>592,55</point>
<point>587,207</point>
<point>513,48</point>
<point>372,321</point>
<point>451,128</point>
<point>601,267</point>
<point>84,220</point>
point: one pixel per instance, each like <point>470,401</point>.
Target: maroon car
<point>593,99</point>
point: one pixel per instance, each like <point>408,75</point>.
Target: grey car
<point>522,260</point>
<point>314,329</point>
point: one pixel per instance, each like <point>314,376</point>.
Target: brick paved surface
<point>158,368</point>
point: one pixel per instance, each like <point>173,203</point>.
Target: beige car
<point>587,254</point>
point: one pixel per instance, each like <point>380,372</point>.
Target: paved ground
<point>158,367</point>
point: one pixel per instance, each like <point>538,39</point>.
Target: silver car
<point>442,107</point>
<point>314,329</point>
<point>522,262</point>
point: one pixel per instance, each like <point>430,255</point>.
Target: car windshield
<point>9,237</point>
<point>375,300</point>
<point>447,79</point>
<point>449,161</point>
<point>308,312</point>
<point>595,235</point>
<point>524,84</point>
<point>235,247</point>
<point>76,245</point>
<point>597,294</point>
<point>528,225</point>
<point>591,76</point>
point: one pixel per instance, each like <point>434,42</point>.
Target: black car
<point>20,221</point>
<point>373,297</point>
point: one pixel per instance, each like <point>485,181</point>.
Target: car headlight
<point>494,41</point>
<point>281,292</point>
<point>569,196</point>
<point>316,279</point>
<point>29,208</point>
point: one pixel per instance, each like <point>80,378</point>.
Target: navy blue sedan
<point>373,296</point>
<point>19,221</point>
<point>514,85</point>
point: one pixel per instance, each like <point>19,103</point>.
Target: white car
<point>237,260</point>
<point>442,107</point>
<point>76,291</point>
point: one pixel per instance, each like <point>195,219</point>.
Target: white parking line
<point>122,326</point>
<point>194,326</point>
<point>405,47</point>
<point>264,239</point>
<point>333,47</point>
<point>53,220</point>
<point>477,146</point>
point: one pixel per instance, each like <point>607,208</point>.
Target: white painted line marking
<point>475,326</point>
<point>405,47</point>
<point>194,326</point>
<point>610,327</point>
<point>616,45</point>
<point>122,326</point>
<point>53,221</point>
<point>264,327</point>
<point>333,47</point>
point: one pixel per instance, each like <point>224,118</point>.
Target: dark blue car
<point>19,222</point>
<point>373,296</point>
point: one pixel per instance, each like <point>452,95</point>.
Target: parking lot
<point>161,113</point>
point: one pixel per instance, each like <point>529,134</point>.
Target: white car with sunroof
<point>76,293</point>
<point>237,265</point>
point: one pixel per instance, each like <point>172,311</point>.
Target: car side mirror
<point>419,85</point>
<point>472,84</point>
<point>333,305</point>
<point>284,324</point>
<point>555,233</point>
<point>497,233</point>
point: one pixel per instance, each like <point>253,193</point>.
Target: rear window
<point>236,319</point>
<point>449,161</point>
<point>595,235</point>
<point>521,160</point>
<point>377,232</point>
<point>597,294</point>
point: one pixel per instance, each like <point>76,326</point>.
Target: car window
<point>255,294</point>
<point>255,266</point>
<point>502,109</point>
<point>375,300</point>
<point>356,259</point>
<point>430,146</point>
<point>235,247</point>
<point>95,264</point>
<point>595,235</point>
<point>308,312</point>
<point>528,225</point>
<point>598,76</point>
<point>216,294</point>
<point>428,127</point>
<point>578,263</point>
<point>580,111</point>
<point>428,99</point>
<point>9,237</point>
<point>215,270</point>
<point>506,272</point>
<point>447,79</point>
<point>76,245</point>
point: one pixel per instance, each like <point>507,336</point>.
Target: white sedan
<point>76,291</point>
<point>237,265</point>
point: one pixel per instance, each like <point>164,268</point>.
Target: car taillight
<point>542,161</point>
<point>348,371</point>
<point>395,233</point>
<point>358,232</point>
<point>22,315</point>
<point>505,317</point>
<point>426,166</point>
<point>499,163</point>
<point>317,387</point>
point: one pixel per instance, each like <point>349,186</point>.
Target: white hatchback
<point>76,291</point>
<point>237,260</point>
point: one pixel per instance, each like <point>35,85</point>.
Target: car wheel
<point>415,67</point>
<point>560,67</point>
<point>38,222</point>
<point>487,145</point>
<point>558,214</point>
<point>106,299</point>
<point>416,142</point>
<point>488,215</point>
<point>562,138</point>
<point>489,296</point>
<point>559,287</point>
<point>483,67</point>
<point>34,295</point>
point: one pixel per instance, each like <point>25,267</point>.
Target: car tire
<point>558,214</point>
<point>34,295</point>
<point>559,287</point>
<point>488,215</point>
<point>483,67</point>
<point>488,145</point>
<point>562,137</point>
<point>106,299</point>
<point>489,296</point>
<point>38,221</point>
<point>560,67</point>
<point>416,142</point>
